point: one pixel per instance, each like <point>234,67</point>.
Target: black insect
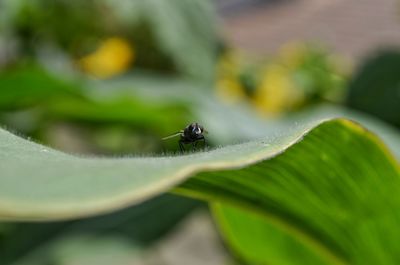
<point>192,134</point>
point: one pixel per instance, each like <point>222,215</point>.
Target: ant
<point>192,134</point>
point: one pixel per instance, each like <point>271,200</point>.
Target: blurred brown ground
<point>351,28</point>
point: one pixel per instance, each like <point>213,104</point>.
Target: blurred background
<point>102,77</point>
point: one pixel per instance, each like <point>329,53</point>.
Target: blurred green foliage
<point>375,88</point>
<point>177,36</point>
<point>44,84</point>
<point>27,86</point>
<point>35,103</point>
<point>41,243</point>
<point>299,76</point>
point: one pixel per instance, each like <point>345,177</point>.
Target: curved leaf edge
<point>13,212</point>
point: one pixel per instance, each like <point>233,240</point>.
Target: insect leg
<point>203,139</point>
<point>181,146</point>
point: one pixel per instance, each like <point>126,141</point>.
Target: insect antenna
<point>172,135</point>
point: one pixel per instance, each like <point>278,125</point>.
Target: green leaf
<point>332,185</point>
<point>190,37</point>
<point>333,191</point>
<point>133,228</point>
<point>184,30</point>
<point>30,85</point>
<point>375,88</point>
<point>257,241</point>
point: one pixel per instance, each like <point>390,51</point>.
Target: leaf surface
<point>330,184</point>
<point>334,191</point>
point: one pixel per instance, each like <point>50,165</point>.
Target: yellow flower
<point>230,90</point>
<point>228,87</point>
<point>277,92</point>
<point>112,57</point>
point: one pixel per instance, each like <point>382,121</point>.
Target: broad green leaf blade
<point>39,183</point>
<point>330,184</point>
<point>257,241</point>
<point>335,190</point>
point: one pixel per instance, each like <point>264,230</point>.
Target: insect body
<point>192,134</point>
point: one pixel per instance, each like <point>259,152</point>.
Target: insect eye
<point>196,130</point>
